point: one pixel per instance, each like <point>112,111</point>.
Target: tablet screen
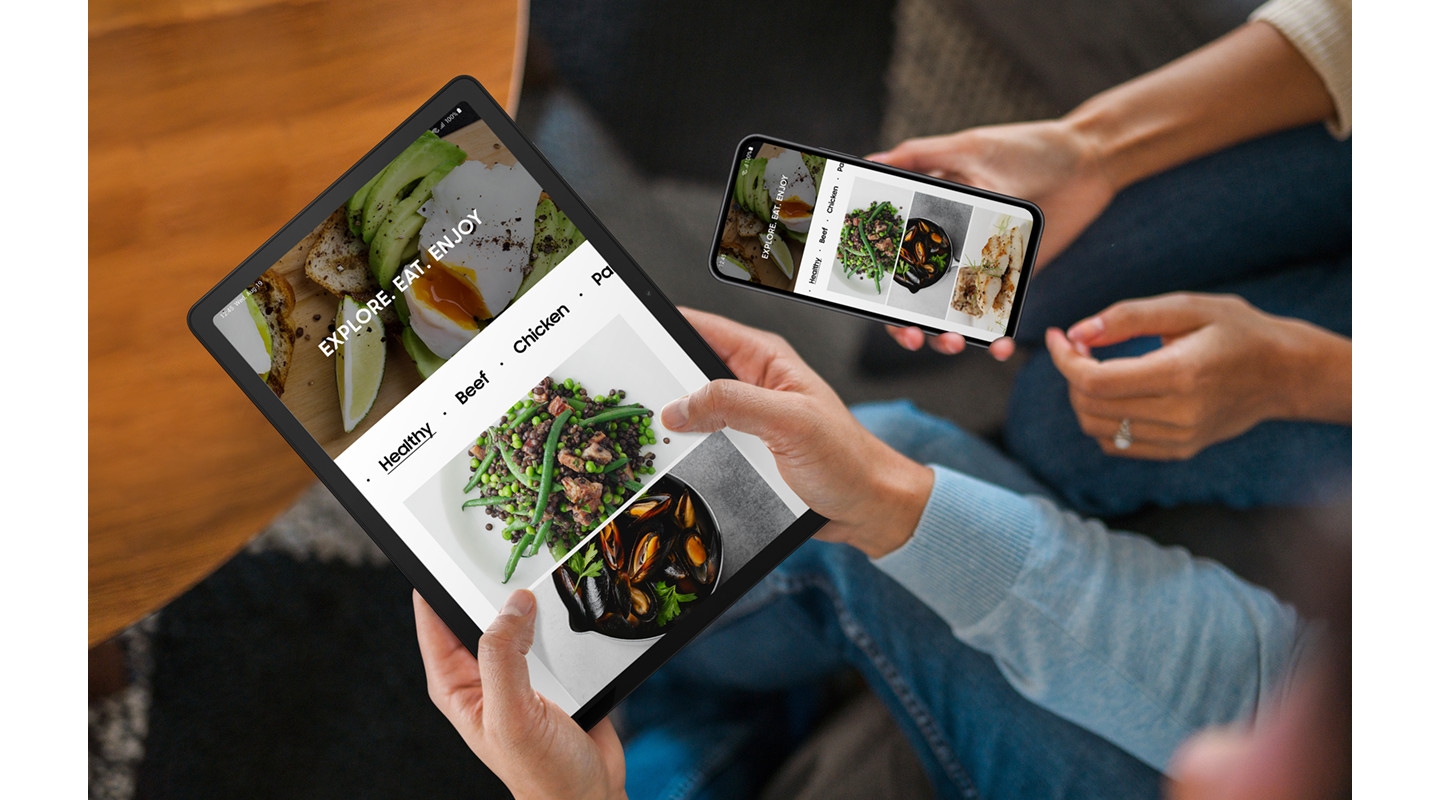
<point>478,371</point>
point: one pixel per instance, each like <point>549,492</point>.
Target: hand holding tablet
<point>474,367</point>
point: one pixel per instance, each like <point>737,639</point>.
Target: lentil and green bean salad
<point>556,464</point>
<point>869,240</point>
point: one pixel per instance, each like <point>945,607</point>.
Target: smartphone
<point>869,239</point>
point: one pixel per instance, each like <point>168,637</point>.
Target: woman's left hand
<point>1223,367</point>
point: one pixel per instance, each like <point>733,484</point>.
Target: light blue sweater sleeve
<point>1141,644</point>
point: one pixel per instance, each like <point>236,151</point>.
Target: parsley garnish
<point>670,601</point>
<point>586,567</point>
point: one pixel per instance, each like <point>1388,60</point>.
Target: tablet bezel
<point>465,89</point>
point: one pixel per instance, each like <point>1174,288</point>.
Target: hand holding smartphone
<point>876,241</point>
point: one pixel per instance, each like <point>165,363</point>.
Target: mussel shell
<point>610,547</point>
<point>674,570</point>
<point>703,561</point>
<point>685,510</point>
<point>652,505</point>
<point>694,549</point>
<point>643,603</point>
<point>596,595</point>
<point>570,595</point>
<point>706,573</point>
<point>649,552</point>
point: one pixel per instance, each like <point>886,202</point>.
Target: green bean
<point>540,537</point>
<point>614,414</point>
<point>616,464</point>
<point>632,407</point>
<point>515,552</point>
<point>514,468</point>
<point>524,415</point>
<point>578,405</point>
<point>481,470</point>
<point>633,486</point>
<point>483,501</point>
<point>547,471</point>
<point>874,259</point>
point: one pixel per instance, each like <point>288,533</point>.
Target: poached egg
<point>482,265</point>
<point>799,204</point>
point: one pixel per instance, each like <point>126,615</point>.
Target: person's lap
<point>750,683</point>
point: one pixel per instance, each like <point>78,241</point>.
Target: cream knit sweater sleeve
<point>1320,30</point>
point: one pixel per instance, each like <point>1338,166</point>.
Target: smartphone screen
<point>903,248</point>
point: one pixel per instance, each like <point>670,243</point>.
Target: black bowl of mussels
<point>646,568</point>
<point>925,253</point>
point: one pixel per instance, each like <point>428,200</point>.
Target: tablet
<point>474,367</point>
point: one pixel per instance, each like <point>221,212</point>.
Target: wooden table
<point>212,122</point>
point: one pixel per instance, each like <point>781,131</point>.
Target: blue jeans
<point>717,719</point>
<point>1268,220</point>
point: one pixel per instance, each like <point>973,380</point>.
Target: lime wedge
<point>359,363</point>
<point>244,326</point>
<point>780,254</point>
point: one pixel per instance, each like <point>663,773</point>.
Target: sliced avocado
<point>425,361</point>
<point>750,188</point>
<point>555,238</point>
<point>402,225</point>
<point>816,165</point>
<point>355,207</point>
<point>425,156</point>
<point>402,309</point>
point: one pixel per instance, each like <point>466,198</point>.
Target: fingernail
<point>676,413</point>
<point>1086,328</point>
<point>519,604</point>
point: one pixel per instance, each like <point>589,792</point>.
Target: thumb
<point>1166,315</point>
<point>729,403</point>
<point>504,675</point>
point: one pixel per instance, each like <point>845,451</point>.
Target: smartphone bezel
<point>1027,268</point>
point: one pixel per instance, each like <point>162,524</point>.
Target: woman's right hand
<point>1051,163</point>
<point>872,495</point>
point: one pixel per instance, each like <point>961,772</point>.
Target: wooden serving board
<point>311,391</point>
